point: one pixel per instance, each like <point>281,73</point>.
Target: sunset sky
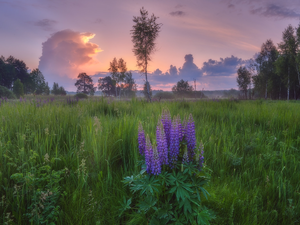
<point>206,40</point>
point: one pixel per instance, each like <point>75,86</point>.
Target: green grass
<point>252,148</point>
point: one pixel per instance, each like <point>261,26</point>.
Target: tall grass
<point>251,147</point>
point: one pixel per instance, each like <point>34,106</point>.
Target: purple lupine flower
<point>174,143</point>
<point>185,158</point>
<point>167,123</point>
<point>180,128</point>
<point>141,140</point>
<point>148,154</point>
<point>162,146</point>
<point>190,136</point>
<point>155,163</point>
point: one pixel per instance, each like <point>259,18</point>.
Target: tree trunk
<point>147,83</point>
<point>288,89</point>
<point>266,92</point>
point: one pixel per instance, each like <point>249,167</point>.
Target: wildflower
<point>148,154</point>
<point>162,146</point>
<point>141,140</point>
<point>174,143</point>
<point>167,123</point>
<point>190,136</point>
<point>180,129</point>
<point>155,163</point>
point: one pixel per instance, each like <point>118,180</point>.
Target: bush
<point>18,88</point>
<point>164,95</point>
<point>80,95</point>
<point>4,92</point>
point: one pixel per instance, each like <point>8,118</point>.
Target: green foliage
<point>18,88</point>
<point>4,92</point>
<point>261,136</point>
<point>173,197</point>
<point>41,186</point>
<point>81,95</point>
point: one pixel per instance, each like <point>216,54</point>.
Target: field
<point>63,161</point>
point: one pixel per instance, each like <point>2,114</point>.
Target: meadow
<point>62,161</point>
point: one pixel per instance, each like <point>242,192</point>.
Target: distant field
<point>64,160</point>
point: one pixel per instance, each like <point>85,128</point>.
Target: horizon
<point>206,41</point>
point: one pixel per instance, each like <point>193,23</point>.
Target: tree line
<point>274,72</point>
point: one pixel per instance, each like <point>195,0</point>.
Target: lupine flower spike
<point>155,163</point>
<point>141,140</point>
<point>148,154</point>
<point>162,146</point>
<point>190,136</point>
<point>174,143</point>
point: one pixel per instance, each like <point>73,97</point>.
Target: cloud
<point>177,13</point>
<point>46,24</point>
<point>65,54</point>
<point>272,10</point>
<point>98,21</point>
<point>178,6</point>
<point>224,67</point>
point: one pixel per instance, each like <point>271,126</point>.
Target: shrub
<point>18,88</point>
<point>6,93</point>
<point>80,95</point>
<point>164,95</point>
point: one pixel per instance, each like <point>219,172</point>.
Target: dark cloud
<point>64,54</point>
<point>224,67</point>
<point>231,6</point>
<point>177,13</point>
<point>272,10</point>
<point>46,24</point>
<point>189,68</point>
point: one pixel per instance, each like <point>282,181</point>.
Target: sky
<point>202,40</point>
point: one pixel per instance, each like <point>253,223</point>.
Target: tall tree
<point>107,85</point>
<point>118,71</point>
<point>55,89</point>
<point>37,84</point>
<point>182,88</point>
<point>145,31</point>
<point>265,79</point>
<point>129,86</point>
<point>84,84</point>
<point>7,73</point>
<point>288,50</point>
<point>243,80</point>
<point>20,72</point>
